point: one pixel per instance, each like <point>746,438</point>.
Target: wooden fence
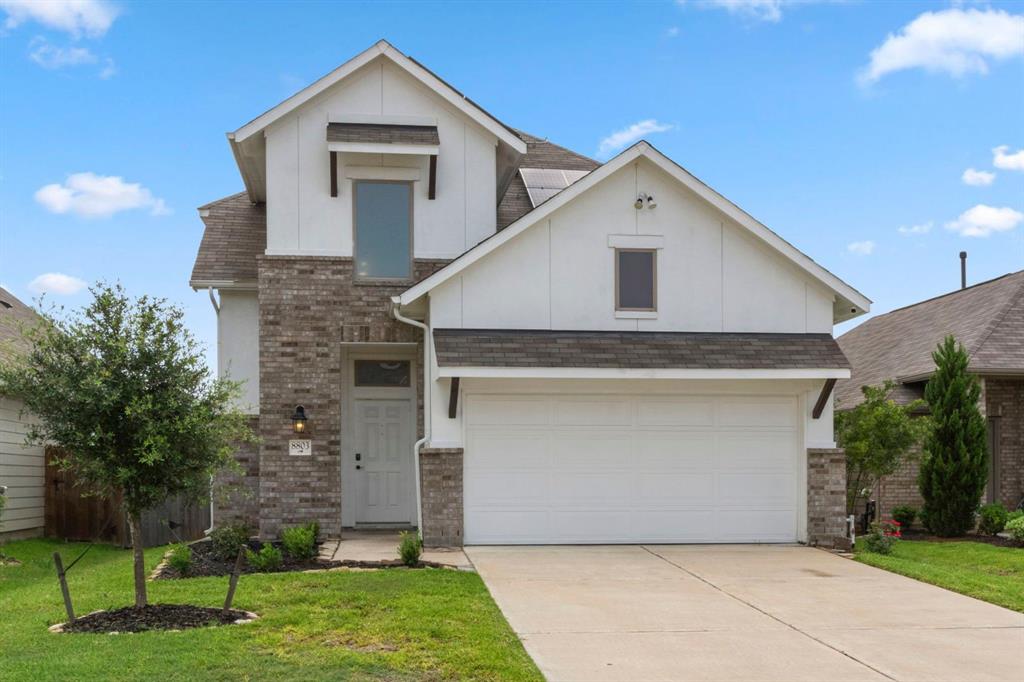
<point>73,515</point>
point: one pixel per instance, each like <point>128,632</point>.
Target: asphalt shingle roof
<point>15,316</point>
<point>235,235</point>
<point>635,350</point>
<point>987,318</point>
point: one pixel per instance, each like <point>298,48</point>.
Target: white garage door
<point>594,469</point>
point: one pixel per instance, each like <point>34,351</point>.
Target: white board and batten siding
<point>22,470</point>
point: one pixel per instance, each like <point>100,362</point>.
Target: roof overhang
<point>631,373</point>
<point>850,302</point>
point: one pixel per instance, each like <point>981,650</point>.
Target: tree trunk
<point>135,524</point>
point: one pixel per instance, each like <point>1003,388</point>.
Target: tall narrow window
<point>636,279</point>
<point>383,230</point>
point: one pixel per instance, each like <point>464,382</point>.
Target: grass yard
<point>994,574</point>
<point>359,625</point>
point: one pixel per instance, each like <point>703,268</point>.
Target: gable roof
<point>853,302</point>
<point>235,235</point>
<point>14,316</point>
<point>987,318</point>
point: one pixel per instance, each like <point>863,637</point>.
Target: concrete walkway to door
<point>674,613</point>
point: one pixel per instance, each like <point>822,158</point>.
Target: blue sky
<point>834,123</point>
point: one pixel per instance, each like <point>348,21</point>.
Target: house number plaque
<point>300,448</point>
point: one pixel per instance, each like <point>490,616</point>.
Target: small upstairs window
<point>383,229</point>
<point>636,280</point>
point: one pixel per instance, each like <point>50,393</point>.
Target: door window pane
<point>635,279</point>
<point>383,217</point>
<point>382,373</point>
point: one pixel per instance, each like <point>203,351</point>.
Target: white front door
<point>554,469</point>
<point>383,454</point>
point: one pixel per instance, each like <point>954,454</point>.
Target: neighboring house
<point>21,467</point>
<point>988,319</point>
<point>614,353</point>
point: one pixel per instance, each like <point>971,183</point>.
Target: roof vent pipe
<point>963,269</point>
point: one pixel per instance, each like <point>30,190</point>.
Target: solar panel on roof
<point>544,183</point>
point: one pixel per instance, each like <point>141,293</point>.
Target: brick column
<point>237,492</point>
<point>441,490</point>
<point>826,497</point>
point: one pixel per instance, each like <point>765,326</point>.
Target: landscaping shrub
<point>1016,528</point>
<point>882,537</point>
<point>955,467</point>
<point>993,519</point>
<point>180,558</point>
<point>905,515</point>
<point>410,546</point>
<point>299,542</point>
<point>314,527</point>
<point>267,559</point>
<point>228,539</point>
<point>1015,514</point>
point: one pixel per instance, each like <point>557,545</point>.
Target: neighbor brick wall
<point>309,306</point>
<point>1004,400</point>
<point>826,497</point>
<point>441,490</point>
<point>900,488</point>
<point>236,493</point>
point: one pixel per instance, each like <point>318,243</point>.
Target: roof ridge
<point>948,293</point>
<point>997,319</point>
<point>545,140</point>
<point>221,200</point>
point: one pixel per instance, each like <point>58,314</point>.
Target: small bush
<point>1015,514</point>
<point>410,546</point>
<point>267,559</point>
<point>314,527</point>
<point>299,542</point>
<point>905,515</point>
<point>1016,528</point>
<point>993,519</point>
<point>228,539</point>
<point>180,558</point>
<point>882,538</point>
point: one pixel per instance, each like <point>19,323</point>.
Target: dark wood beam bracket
<point>453,398</point>
<point>334,174</point>
<point>432,185</point>
<point>826,391</point>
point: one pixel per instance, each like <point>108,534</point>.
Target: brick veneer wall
<point>309,306</point>
<point>236,493</point>
<point>441,490</point>
<point>826,497</point>
<point>1004,400</point>
<point>900,488</point>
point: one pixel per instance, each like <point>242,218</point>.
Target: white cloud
<point>1001,159</point>
<point>922,228</point>
<point>76,17</point>
<point>672,32</point>
<point>109,69</point>
<point>50,56</point>
<point>982,220</point>
<point>629,135</point>
<point>865,248</point>
<point>757,10</point>
<point>977,178</point>
<point>56,283</point>
<point>953,41</point>
<point>98,196</point>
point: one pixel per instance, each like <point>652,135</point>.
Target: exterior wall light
<point>299,419</point>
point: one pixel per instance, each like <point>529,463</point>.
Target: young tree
<point>955,466</point>
<point>877,434</point>
<point>122,389</point>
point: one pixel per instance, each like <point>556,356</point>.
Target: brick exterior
<point>237,493</point>
<point>441,488</point>
<point>309,306</point>
<point>826,497</point>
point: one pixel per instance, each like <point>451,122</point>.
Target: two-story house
<point>496,340</point>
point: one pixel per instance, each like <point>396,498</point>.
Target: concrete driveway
<point>645,613</point>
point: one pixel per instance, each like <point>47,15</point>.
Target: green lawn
<point>994,574</point>
<point>371,625</point>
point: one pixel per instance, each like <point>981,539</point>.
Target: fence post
<point>64,586</point>
<point>233,582</point>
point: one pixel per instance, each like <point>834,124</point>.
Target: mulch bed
<point>205,563</point>
<point>918,534</point>
<point>154,617</point>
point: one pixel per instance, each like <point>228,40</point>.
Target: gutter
<point>427,389</point>
<point>216,309</point>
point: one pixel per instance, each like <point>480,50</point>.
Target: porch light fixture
<point>644,199</point>
<point>299,419</point>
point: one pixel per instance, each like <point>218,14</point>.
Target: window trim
<point>654,281</point>
<point>355,233</point>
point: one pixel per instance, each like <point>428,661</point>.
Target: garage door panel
<point>660,451</point>
<point>755,489</point>
<point>591,490</point>
<point>510,525</point>
<point>673,526</point>
<point>593,412</point>
<point>586,450</point>
<point>755,525</point>
<point>504,488</point>
<point>589,526</point>
<point>757,450</point>
<point>518,410</point>
<point>508,450</point>
<point>757,412</point>
<point>681,489</point>
<point>676,413</point>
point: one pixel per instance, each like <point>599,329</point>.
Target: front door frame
<point>351,393</point>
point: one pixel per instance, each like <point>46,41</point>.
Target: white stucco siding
<point>22,470</point>
<point>302,217</point>
<point>238,344</point>
<point>560,274</point>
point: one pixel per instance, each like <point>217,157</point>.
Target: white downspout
<point>427,416</point>
<point>216,309</point>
